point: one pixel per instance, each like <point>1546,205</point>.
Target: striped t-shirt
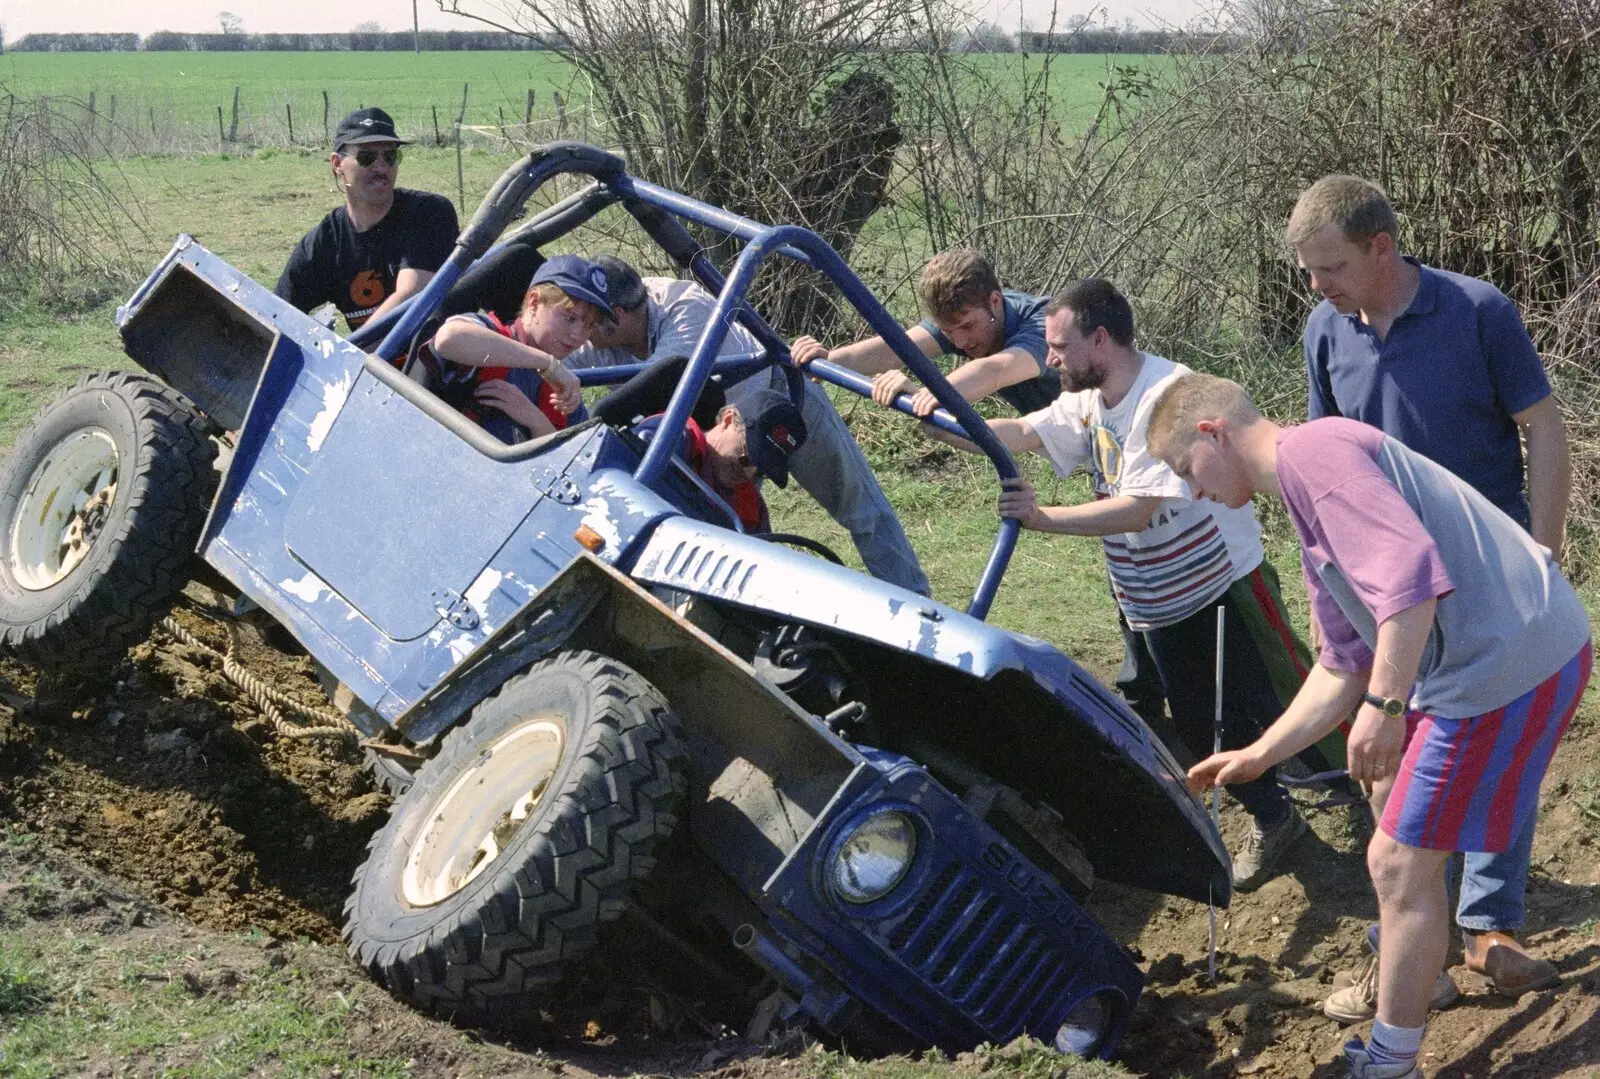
<point>1191,551</point>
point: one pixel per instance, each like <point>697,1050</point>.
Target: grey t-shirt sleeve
<point>1030,339</point>
<point>685,319</point>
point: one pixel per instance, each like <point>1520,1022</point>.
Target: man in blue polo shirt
<point>1443,364</point>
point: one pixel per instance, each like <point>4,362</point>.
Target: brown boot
<point>1509,968</point>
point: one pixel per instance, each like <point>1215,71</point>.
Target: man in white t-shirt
<point>1173,560</point>
<point>660,317</point>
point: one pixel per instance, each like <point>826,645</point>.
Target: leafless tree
<point>230,23</point>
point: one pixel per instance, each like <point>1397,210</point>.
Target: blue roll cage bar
<point>658,210</point>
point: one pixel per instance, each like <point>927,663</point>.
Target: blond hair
<point>1190,399</point>
<point>550,294</point>
<point>955,280</point>
<point>1359,207</point>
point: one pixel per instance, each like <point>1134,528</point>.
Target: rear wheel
<point>520,840</point>
<point>101,504</point>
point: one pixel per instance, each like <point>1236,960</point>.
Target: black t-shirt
<point>355,271</point>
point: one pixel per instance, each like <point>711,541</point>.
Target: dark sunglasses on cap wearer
<point>366,156</point>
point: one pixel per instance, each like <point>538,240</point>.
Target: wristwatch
<point>1393,707</point>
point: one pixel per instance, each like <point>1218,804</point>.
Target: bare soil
<point>170,793</point>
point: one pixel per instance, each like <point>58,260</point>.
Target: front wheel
<point>520,840</point>
<point>101,504</point>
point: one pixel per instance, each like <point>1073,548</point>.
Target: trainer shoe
<point>1259,854</point>
<point>1361,1066</point>
<point>1358,1001</point>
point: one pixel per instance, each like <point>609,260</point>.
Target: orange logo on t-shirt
<point>367,289</point>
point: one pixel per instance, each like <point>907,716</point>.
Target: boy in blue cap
<point>509,377</point>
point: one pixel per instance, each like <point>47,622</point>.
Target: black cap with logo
<point>366,125</point>
<point>773,430</point>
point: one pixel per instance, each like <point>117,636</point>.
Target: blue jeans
<point>834,471</point>
<point>1494,886</point>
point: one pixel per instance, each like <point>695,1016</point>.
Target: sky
<point>19,17</point>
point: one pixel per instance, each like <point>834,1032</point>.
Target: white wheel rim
<point>63,508</point>
<point>474,820</point>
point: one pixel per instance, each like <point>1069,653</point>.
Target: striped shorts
<point>1473,784</point>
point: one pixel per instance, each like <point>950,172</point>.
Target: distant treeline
<point>352,41</point>
<point>1095,39</point>
<point>983,38</point>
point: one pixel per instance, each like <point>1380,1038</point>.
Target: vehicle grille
<point>979,950</point>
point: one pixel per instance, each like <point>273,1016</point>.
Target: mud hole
<point>176,795</point>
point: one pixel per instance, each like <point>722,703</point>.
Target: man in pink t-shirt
<point>1443,620</point>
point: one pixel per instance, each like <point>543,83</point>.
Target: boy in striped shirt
<point>1173,561</point>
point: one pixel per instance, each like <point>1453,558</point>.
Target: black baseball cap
<point>366,125</point>
<point>773,429</point>
<point>577,277</point>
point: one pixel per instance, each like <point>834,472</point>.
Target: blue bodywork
<point>421,562</point>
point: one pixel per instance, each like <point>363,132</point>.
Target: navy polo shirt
<point>1024,329</point>
<point>1445,382</point>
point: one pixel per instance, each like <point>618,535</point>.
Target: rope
<point>270,702</point>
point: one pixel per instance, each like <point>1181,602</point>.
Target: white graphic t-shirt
<point>1192,550</point>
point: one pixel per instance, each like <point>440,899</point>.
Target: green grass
<point>185,88</point>
<point>127,1003</point>
<point>180,91</point>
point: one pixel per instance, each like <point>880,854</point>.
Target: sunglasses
<point>365,158</point>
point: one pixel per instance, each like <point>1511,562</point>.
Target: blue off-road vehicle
<point>617,713</point>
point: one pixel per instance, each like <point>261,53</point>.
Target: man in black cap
<point>384,243</point>
<point>740,448</point>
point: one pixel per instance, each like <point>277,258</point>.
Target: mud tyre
<point>520,841</point>
<point>102,501</point>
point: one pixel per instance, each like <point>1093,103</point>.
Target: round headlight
<point>1085,1028</point>
<point>874,858</point>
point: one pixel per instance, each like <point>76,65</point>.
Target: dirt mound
<point>167,781</point>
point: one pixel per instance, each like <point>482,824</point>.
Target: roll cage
<point>480,251</point>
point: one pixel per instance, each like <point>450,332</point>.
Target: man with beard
<point>1173,560</point>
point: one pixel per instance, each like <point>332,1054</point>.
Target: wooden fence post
<point>461,117</point>
<point>461,189</point>
<point>221,138</point>
<point>561,111</point>
<point>91,114</point>
<point>438,139</point>
<point>502,111</point>
<point>288,110</point>
<point>233,128</point>
<point>527,115</point>
<point>326,134</point>
<point>152,121</point>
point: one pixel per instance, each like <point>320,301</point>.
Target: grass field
<point>180,91</point>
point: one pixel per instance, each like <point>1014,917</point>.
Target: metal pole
<point>1216,795</point>
<point>1216,719</point>
<point>416,32</point>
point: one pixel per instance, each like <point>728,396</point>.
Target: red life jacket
<point>477,376</point>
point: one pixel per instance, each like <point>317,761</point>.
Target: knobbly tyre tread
<point>388,775</point>
<point>110,603</point>
<point>529,918</point>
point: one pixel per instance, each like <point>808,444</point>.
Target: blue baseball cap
<point>577,277</point>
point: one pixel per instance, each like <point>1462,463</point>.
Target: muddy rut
<point>164,779</point>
